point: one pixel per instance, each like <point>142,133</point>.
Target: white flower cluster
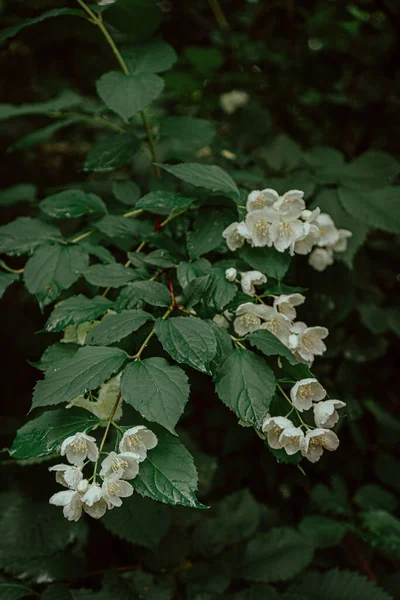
<point>306,394</point>
<point>285,223</point>
<point>87,494</point>
<point>233,100</point>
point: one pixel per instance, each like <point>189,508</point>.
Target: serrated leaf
<point>71,377</point>
<point>246,384</point>
<point>139,521</point>
<point>379,209</point>
<point>322,532</point>
<point>45,434</point>
<point>119,227</point>
<point>137,18</point>
<point>154,56</point>
<point>24,234</point>
<point>112,153</point>
<point>338,585</point>
<point>127,192</point>
<point>151,292</point>
<point>371,496</point>
<point>128,94</point>
<point>22,192</point>
<point>168,474</point>
<point>210,177</point>
<point>277,555</point>
<point>66,99</point>
<point>207,234</point>
<point>268,344</point>
<point>54,354</point>
<point>57,12</point>
<point>76,310</point>
<point>114,328</point>
<point>164,203</point>
<point>7,279</point>
<point>194,291</point>
<point>52,269</point>
<point>267,260</point>
<point>187,272</point>
<point>372,170</point>
<point>42,135</point>
<point>383,531</point>
<point>188,340</point>
<point>108,275</point>
<point>220,292</point>
<point>70,204</point>
<point>157,390</point>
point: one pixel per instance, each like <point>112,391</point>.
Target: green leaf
<point>127,192</point>
<point>71,377</point>
<point>53,268</point>
<point>371,496</point>
<point>188,340</point>
<point>154,56</point>
<point>370,171</point>
<point>268,344</point>
<point>157,390</point>
<point>151,292</point>
<point>139,521</point>
<point>55,353</point>
<point>187,135</point>
<point>283,154</point>
<point>278,555</point>
<point>210,177</point>
<point>168,474</point>
<point>267,260</point>
<point>128,94</point>
<point>45,434</point>
<point>6,279</point>
<point>119,227</point>
<point>195,291</point>
<point>66,99</point>
<point>379,209</point>
<point>384,418</point>
<point>246,384</point>
<point>187,272</point>
<point>114,328</point>
<point>71,204</point>
<point>332,500</point>
<point>207,233</point>
<point>220,292</point>
<point>76,310</point>
<point>383,531</point>
<point>22,192</point>
<point>164,203</point>
<point>112,153</point>
<point>138,18</point>
<point>108,275</point>
<point>42,135</point>
<point>57,12</point>
<point>337,585</point>
<point>205,60</point>
<point>10,590</point>
<point>24,234</point>
<point>322,532</point>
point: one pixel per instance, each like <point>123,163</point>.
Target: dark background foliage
<point>321,73</point>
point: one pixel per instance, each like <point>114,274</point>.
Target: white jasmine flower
<point>309,239</point>
<point>290,204</point>
<point>329,235</point>
<point>250,279</point>
<point>342,242</point>
<point>235,235</point>
<point>230,274</point>
<point>285,304</point>
<point>307,341</point>
<point>325,413</point>
<point>126,464</point>
<point>76,334</point>
<point>310,215</point>
<point>261,198</point>
<point>278,324</point>
<point>71,502</point>
<point>137,440</point>
<point>102,407</point>
<point>77,448</point>
<point>315,441</point>
<point>221,321</point>
<point>291,439</point>
<point>114,489</point>
<point>233,100</point>
<point>94,503</point>
<point>258,224</point>
<point>286,228</point>
<point>305,392</point>
<point>273,427</point>
<point>320,258</point>
<point>248,317</point>
<point>67,476</point>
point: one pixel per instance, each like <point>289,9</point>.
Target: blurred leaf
<point>7,279</point>
<point>112,153</point>
<point>372,496</point>
<point>22,192</point>
<point>379,209</point>
<point>66,99</point>
<point>322,531</point>
<point>138,18</point>
<point>338,585</point>
<point>154,56</point>
<point>127,192</point>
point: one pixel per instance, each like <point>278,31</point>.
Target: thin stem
<point>9,269</point>
<point>82,237</point>
<point>151,144</point>
<point>146,341</point>
<point>103,441</point>
<point>259,298</point>
<point>237,343</point>
<point>293,407</point>
<point>219,14</point>
<point>172,217</point>
<point>133,213</point>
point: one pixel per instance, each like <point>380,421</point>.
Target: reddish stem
<point>172,291</point>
